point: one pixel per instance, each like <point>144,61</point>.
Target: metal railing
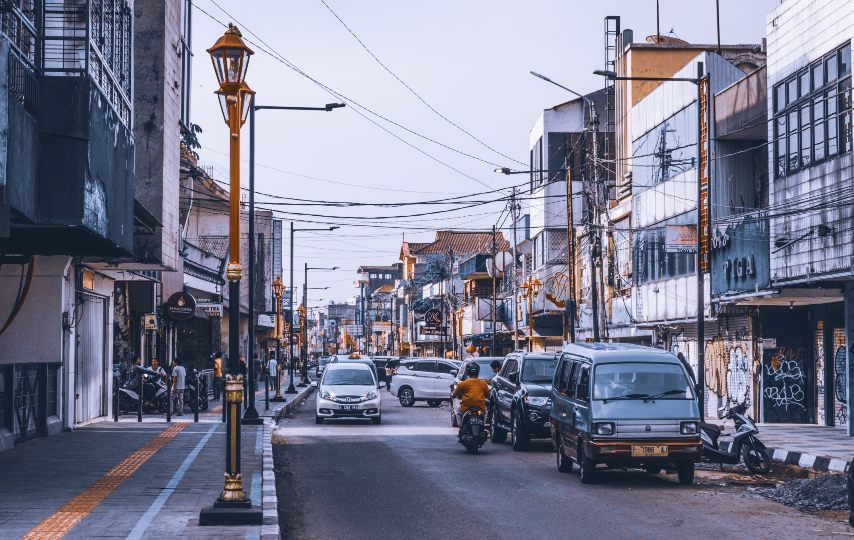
<point>23,84</point>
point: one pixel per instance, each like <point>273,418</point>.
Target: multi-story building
<point>87,223</point>
<point>808,319</point>
<point>373,313</point>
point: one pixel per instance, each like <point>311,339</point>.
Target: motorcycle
<point>744,443</point>
<point>190,394</point>
<point>154,394</point>
<point>473,430</point>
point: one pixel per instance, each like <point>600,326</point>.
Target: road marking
<point>365,431</point>
<point>149,515</point>
<point>71,513</point>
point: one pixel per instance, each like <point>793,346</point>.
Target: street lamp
<point>291,389</point>
<point>303,378</point>
<point>701,293</point>
<point>530,288</point>
<point>251,416</point>
<point>230,57</point>
<point>278,289</point>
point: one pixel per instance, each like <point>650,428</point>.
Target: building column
<point>849,348</point>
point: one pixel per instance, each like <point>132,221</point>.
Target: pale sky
<point>468,59</point>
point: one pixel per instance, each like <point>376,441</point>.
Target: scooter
<point>744,442</point>
<point>473,431</point>
<point>153,392</point>
<point>190,392</point>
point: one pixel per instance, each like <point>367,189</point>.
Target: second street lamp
<point>251,416</point>
<point>230,57</point>
<point>304,367</point>
<point>530,288</point>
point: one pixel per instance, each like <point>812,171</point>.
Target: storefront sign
<point>740,258</point>
<point>181,306</point>
<point>266,321</point>
<point>212,309</point>
<point>433,317</point>
<point>381,326</point>
<point>433,330</point>
<point>680,239</point>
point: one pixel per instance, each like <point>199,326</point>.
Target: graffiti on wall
<point>788,387</point>
<point>840,383</point>
<point>729,369</point>
<point>555,289</point>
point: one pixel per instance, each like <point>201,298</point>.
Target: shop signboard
<point>680,239</point>
<point>740,260</point>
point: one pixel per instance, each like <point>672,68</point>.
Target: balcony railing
<point>23,84</point>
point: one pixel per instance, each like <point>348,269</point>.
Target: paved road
<point>408,478</point>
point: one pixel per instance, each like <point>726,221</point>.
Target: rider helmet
<point>472,369</point>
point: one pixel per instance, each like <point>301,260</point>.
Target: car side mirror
<point>454,372</point>
<point>314,384</point>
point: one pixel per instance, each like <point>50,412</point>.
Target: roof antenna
<point>657,24</point>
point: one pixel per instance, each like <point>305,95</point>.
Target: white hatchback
<point>424,379</point>
<point>348,390</point>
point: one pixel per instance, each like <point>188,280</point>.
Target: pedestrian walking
<point>179,383</point>
<point>243,368</point>
<point>217,378</point>
<point>259,366</point>
<point>272,372</point>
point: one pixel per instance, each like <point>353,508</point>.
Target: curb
<point>808,461</point>
<point>269,500</point>
<point>289,406</point>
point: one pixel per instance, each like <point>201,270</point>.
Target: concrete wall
<point>157,113</point>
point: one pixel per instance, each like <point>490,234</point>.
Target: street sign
<point>680,239</point>
<point>433,330</point>
<point>211,308</point>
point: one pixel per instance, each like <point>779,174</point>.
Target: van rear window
<point>640,380</point>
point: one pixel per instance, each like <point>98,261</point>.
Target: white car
<point>348,390</point>
<point>424,379</point>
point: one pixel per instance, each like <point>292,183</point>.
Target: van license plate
<point>649,451</point>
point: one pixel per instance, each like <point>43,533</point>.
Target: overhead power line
<point>411,90</point>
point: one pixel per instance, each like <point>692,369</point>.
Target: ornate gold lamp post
<point>278,290</point>
<point>230,57</point>
<point>303,345</point>
<point>530,288</point>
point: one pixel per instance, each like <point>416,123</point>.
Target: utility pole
<point>514,211</point>
<point>591,230</point>
<point>494,299</point>
<point>454,296</point>
<point>570,258</point>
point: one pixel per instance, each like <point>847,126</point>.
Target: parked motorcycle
<point>744,443</point>
<point>194,379</point>
<point>153,392</point>
<point>473,431</point>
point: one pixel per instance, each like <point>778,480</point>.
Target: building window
<point>812,113</point>
<point>537,164</point>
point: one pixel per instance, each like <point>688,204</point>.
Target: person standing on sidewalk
<point>179,383</point>
<point>217,378</point>
<point>243,370</point>
<point>272,372</point>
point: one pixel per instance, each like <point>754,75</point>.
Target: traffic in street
<point>408,478</point>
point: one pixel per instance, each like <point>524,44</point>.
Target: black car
<point>380,364</point>
<point>520,398</point>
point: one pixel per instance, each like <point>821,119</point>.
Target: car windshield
<point>356,377</point>
<point>641,380</point>
<point>538,370</point>
<point>485,372</point>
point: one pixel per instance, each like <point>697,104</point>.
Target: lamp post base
<point>251,417</point>
<point>231,513</point>
<point>278,399</point>
<point>291,390</point>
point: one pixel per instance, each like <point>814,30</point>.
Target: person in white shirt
<point>272,371</point>
<point>179,383</point>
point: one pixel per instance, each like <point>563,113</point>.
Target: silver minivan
<point>624,406</point>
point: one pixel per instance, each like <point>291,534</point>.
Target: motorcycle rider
<point>472,391</point>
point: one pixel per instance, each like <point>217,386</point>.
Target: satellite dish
<point>503,260</point>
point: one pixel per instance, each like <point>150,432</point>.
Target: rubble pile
<point>825,492</point>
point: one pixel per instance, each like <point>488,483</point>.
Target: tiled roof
<point>463,243</point>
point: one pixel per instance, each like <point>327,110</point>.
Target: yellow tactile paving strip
<point>63,520</point>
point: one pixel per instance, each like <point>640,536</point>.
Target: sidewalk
<point>135,480</point>
<point>807,445</point>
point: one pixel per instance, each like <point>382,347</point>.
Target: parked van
<point>624,406</point>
